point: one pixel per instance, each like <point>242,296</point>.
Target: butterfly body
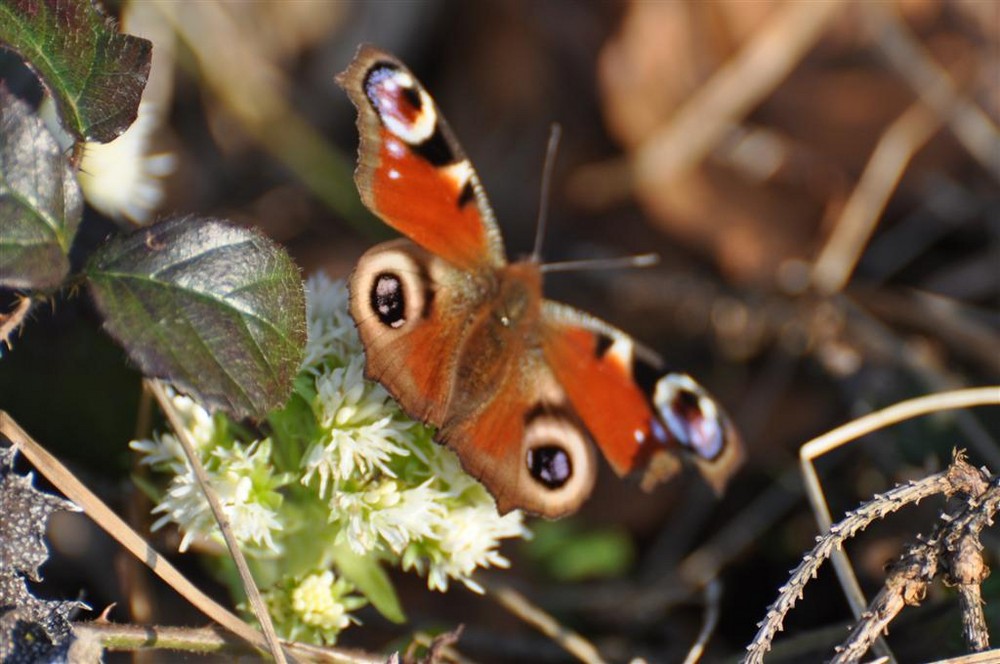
<point>519,386</point>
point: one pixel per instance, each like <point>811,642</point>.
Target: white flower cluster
<point>386,490</point>
<point>242,476</point>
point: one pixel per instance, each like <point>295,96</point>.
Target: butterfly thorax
<point>508,321</point>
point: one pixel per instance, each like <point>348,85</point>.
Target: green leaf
<point>568,552</point>
<point>371,580</point>
<point>95,74</point>
<point>40,201</point>
<point>294,426</point>
<point>217,309</point>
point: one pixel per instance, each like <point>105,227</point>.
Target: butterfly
<point>520,387</point>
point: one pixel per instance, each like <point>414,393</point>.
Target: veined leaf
<point>40,201</point>
<point>217,309</point>
<point>95,74</point>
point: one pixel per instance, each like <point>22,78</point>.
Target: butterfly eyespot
<point>691,415</point>
<point>388,301</point>
<point>550,466</point>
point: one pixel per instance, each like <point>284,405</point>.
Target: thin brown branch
<point>712,594</point>
<point>208,640</point>
<point>904,137</point>
<point>524,609</point>
<point>906,585</point>
<point>967,121</point>
<point>205,485</point>
<point>974,630</point>
<point>966,568</point>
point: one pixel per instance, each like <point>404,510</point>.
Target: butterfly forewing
<point>412,173</point>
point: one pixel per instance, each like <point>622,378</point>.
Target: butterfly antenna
<point>639,260</point>
<point>543,210</point>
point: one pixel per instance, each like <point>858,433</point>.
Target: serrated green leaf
<point>217,309</point>
<point>40,201</point>
<point>95,74</point>
<point>371,580</point>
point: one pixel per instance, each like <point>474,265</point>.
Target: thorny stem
<point>853,523</point>
<point>953,547</point>
<point>907,584</point>
<point>11,321</point>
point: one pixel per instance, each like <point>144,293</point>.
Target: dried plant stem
<point>102,515</point>
<point>864,425</point>
<point>907,584</point>
<point>968,122</point>
<point>524,609</point>
<point>974,629</point>
<point>713,594</point>
<point>852,524</point>
<point>249,585</point>
<point>895,149</point>
<point>717,106</point>
<point>209,640</point>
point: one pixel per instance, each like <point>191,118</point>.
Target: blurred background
<point>819,179</point>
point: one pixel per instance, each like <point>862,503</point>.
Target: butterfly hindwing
<point>526,444</point>
<point>405,302</point>
<point>634,411</point>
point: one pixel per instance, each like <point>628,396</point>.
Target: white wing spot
<point>458,173</point>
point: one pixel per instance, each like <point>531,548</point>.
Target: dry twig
<point>522,607</point>
<point>712,594</point>
<point>904,137</point>
<point>249,585</point>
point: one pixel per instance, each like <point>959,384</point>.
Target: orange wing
<point>594,367</point>
<point>411,171</point>
<point>635,412</point>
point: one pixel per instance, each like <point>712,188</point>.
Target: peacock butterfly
<point>516,384</point>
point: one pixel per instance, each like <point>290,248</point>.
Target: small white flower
<point>166,448</point>
<point>317,600</point>
<point>386,518</point>
<point>119,178</point>
<point>469,539</point>
<point>233,476</point>
<point>361,431</point>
